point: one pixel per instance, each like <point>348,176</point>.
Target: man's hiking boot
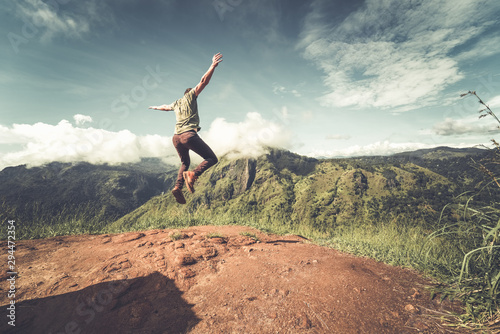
<point>190,179</point>
<point>179,197</point>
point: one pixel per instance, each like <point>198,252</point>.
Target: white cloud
<point>82,119</point>
<point>338,137</point>
<point>61,18</point>
<point>453,127</point>
<point>377,148</point>
<point>488,46</point>
<point>494,102</point>
<point>278,90</point>
<point>307,115</point>
<point>392,54</point>
<point>249,138</point>
<point>43,143</point>
<point>282,90</point>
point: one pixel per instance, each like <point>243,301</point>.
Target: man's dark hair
<point>187,90</point>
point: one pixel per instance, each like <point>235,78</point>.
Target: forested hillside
<point>288,189</point>
<point>280,188</point>
<point>81,193</point>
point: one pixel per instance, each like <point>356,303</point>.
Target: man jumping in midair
<point>186,134</point>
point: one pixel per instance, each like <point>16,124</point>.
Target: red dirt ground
<point>210,279</point>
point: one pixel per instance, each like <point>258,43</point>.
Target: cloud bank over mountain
<point>40,143</point>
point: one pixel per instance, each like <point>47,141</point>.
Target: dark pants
<point>191,141</point>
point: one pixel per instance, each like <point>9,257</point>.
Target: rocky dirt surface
<point>212,279</point>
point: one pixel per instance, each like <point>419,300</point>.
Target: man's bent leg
<point>196,144</point>
<point>202,149</point>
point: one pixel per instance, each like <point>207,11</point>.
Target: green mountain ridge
<point>67,192</point>
<point>280,188</point>
<point>288,189</point>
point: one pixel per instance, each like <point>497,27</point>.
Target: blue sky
<point>320,78</point>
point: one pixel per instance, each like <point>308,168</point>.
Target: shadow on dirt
<point>151,304</point>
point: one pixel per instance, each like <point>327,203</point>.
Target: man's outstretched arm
<point>216,59</point>
<point>166,107</point>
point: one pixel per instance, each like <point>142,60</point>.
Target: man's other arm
<point>166,107</point>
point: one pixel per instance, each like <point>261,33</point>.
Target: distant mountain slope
<point>442,152</point>
<point>62,191</point>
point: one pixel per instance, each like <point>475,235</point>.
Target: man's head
<point>187,90</point>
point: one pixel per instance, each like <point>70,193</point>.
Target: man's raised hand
<point>216,59</point>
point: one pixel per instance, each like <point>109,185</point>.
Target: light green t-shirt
<point>186,113</point>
